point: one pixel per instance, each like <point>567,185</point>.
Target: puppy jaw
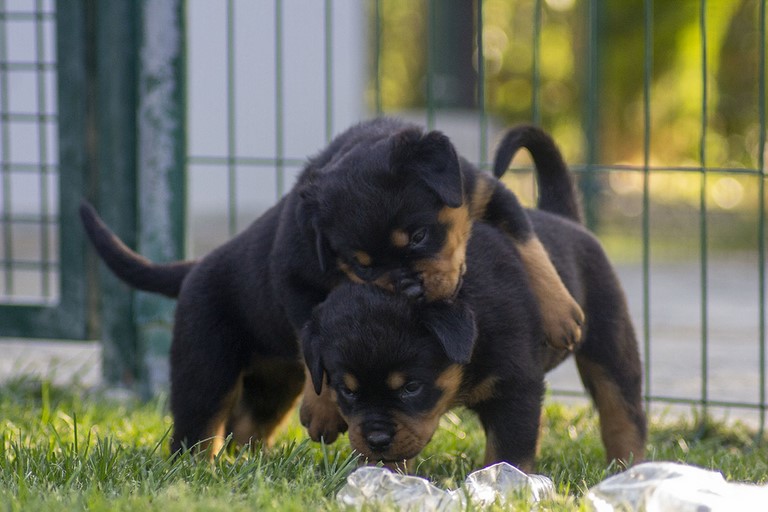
<point>442,273</point>
<point>412,433</point>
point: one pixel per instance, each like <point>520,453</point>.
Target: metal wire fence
<point>659,108</point>
<point>641,244</point>
<point>28,153</point>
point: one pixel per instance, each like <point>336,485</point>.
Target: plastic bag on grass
<point>670,487</point>
<point>380,486</point>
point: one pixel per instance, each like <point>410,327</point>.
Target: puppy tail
<point>132,268</point>
<point>557,192</point>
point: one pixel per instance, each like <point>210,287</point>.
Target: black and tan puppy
<point>395,367</point>
<point>384,203</point>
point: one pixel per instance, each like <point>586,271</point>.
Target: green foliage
<point>579,69</point>
<point>74,449</point>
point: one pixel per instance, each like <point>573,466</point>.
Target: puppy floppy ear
<point>453,324</point>
<point>308,217</point>
<point>433,158</point>
<point>310,345</point>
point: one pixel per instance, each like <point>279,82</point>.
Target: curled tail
<point>557,192</point>
<point>132,268</point>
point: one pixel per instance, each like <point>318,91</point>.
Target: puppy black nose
<point>378,440</point>
<point>410,285</point>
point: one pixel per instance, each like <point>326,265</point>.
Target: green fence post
<point>588,182</point>
<point>161,151</point>
<point>114,69</point>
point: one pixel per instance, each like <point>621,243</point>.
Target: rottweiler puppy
<point>385,203</point>
<point>394,367</point>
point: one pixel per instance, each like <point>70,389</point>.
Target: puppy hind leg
<point>270,390</point>
<point>561,315</point>
<point>619,404</point>
<point>201,424</point>
<point>206,373</point>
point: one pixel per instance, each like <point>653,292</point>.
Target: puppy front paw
<point>563,320</point>
<point>321,418</point>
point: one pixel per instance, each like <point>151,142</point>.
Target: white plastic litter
<point>670,487</point>
<point>372,486</point>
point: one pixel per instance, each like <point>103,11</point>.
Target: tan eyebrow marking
<point>363,258</point>
<point>351,382</point>
<point>395,380</point>
<point>399,238</point>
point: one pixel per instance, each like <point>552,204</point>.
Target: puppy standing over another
<point>384,203</point>
<point>395,367</point>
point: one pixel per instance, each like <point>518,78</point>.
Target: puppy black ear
<point>310,345</point>
<point>453,324</point>
<point>308,217</point>
<point>433,158</point>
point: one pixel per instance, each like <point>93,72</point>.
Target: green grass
<point>70,449</point>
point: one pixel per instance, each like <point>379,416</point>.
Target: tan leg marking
<point>257,418</point>
<point>217,427</point>
<point>442,273</point>
<point>622,438</point>
<point>319,413</point>
<point>561,315</point>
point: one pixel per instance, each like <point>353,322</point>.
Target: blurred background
<point>658,107</point>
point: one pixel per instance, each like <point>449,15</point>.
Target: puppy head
<point>389,210</point>
<point>394,367</point>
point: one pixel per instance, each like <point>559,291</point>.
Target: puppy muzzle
<point>408,283</point>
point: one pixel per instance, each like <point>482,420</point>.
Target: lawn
<point>70,449</point>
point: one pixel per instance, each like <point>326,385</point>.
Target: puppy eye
<point>347,393</point>
<point>411,389</point>
<point>418,237</point>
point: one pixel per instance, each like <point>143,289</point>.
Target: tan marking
<point>395,380</point>
<point>622,437</point>
<point>481,196</point>
<point>350,274</point>
<point>216,431</point>
<point>442,273</point>
<point>363,258</point>
<point>285,380</point>
<point>319,413</point>
<point>482,391</point>
<point>561,315</point>
<point>399,238</point>
<point>383,282</point>
<point>449,380</point>
<point>351,382</point>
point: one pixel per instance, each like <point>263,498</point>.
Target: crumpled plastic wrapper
<point>374,486</point>
<point>670,487</point>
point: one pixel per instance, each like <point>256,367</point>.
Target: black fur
<point>370,334</point>
<point>556,188</point>
<point>241,306</point>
